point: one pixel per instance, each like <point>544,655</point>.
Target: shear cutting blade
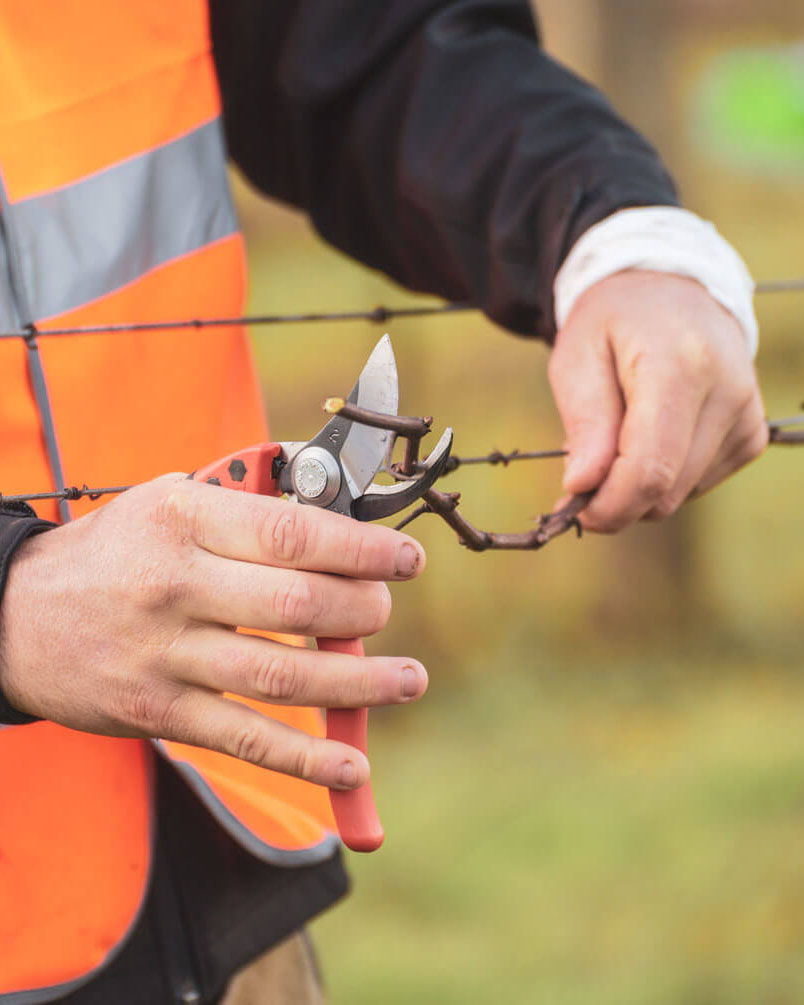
<point>361,449</point>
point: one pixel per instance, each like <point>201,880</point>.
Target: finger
<point>260,668</point>
<point>709,440</point>
<point>721,444</point>
<point>270,531</point>
<point>748,443</point>
<point>281,600</point>
<point>585,387</point>
<point>655,442</point>
<point>204,719</point>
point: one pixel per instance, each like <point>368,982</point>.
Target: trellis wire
<point>377,315</point>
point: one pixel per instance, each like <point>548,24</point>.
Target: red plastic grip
<point>355,813</point>
<point>248,470</point>
<point>252,470</point>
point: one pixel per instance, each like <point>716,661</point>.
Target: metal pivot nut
<point>315,476</point>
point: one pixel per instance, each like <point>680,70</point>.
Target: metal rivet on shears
<point>316,476</point>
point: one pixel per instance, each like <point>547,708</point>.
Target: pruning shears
<point>335,470</point>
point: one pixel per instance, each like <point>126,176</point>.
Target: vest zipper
<point>35,369</point>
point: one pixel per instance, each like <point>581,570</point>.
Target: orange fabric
<point>160,401</point>
<point>191,396</point>
<point>93,82</point>
<point>134,405</point>
<point>21,456</point>
<point>285,812</point>
<point>58,839</point>
<point>122,77</point>
<point>128,407</point>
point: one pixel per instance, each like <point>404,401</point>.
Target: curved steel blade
<point>384,500</point>
<point>377,389</point>
<point>360,449</point>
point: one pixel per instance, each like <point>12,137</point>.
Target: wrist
<point>18,522</point>
<point>659,239</point>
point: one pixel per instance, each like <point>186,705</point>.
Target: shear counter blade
<point>385,500</point>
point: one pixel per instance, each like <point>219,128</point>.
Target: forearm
<point>435,141</point>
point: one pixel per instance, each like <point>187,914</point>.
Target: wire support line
<point>778,435</point>
<point>498,457</point>
<point>780,286</point>
<point>68,494</point>
<point>791,420</point>
<point>377,315</point>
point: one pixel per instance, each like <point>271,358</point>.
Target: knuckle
<point>156,586</point>
<point>363,685</point>
<point>664,509</point>
<point>286,534</point>
<point>278,679</point>
<point>251,744</point>
<point>298,604</point>
<point>173,512</point>
<point>302,762</point>
<point>151,708</point>
<point>255,746</point>
<point>657,477</point>
<point>695,356</point>
<point>358,549</point>
<point>361,691</point>
<point>753,445</point>
<point>759,441</point>
<point>745,393</point>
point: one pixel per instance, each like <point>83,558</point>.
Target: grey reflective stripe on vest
<point>14,306</point>
<point>85,240</point>
<point>9,318</point>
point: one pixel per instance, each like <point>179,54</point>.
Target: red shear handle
<point>252,470</point>
<point>248,470</point>
<point>355,812</point>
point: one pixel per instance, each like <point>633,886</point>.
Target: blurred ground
<point>602,798</point>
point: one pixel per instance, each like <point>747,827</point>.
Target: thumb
<point>587,394</point>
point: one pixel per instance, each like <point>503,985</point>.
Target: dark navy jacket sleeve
<point>433,140</point>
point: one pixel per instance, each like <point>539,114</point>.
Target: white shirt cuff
<point>662,239</point>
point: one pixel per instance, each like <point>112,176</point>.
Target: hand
<point>658,396</point>
<point>119,623</point>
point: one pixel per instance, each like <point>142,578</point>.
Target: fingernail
<point>347,774</point>
<point>410,683</point>
<point>407,560</point>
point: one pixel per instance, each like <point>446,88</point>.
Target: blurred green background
<point>602,798</point>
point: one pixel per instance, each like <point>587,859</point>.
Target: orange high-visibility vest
<point>115,208</point>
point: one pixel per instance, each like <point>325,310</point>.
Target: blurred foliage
<point>602,798</point>
<point>556,837</point>
<point>752,106</point>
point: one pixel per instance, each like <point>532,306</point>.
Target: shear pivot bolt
<point>310,478</point>
<point>315,476</point>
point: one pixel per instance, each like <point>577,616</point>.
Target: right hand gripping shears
<point>335,470</point>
